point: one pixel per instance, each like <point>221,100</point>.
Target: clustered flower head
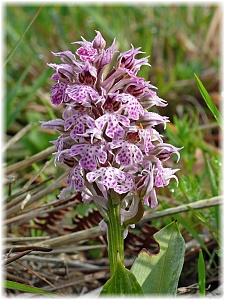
<point>107,133</point>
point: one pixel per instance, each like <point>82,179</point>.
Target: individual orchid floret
<point>88,74</point>
<point>128,154</point>
<point>112,121</point>
<point>67,57</point>
<point>56,124</point>
<point>79,121</point>
<point>113,178</point>
<point>86,52</point>
<point>75,179</point>
<point>64,71</point>
<point>104,58</point>
<point>82,94</point>
<point>164,151</point>
<point>150,98</point>
<point>58,93</point>
<point>132,107</point>
<point>137,87</point>
<point>150,119</point>
<point>126,60</point>
<point>89,155</point>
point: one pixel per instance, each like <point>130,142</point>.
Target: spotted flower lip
<point>113,178</point>
<point>132,106</point>
<point>128,154</point>
<point>58,93</point>
<point>113,122</point>
<point>86,52</point>
<point>82,94</point>
<point>108,134</point>
<point>89,153</point>
<point>78,118</point>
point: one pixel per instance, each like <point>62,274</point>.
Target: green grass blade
<point>18,42</point>
<point>25,288</point>
<point>100,20</point>
<point>214,190</point>
<point>49,110</point>
<point>209,101</point>
<point>40,81</point>
<point>212,179</point>
<point>206,223</point>
<point>201,274</point>
<point>12,94</point>
<point>195,235</point>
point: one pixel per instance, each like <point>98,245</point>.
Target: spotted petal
<point>129,153</point>
<point>112,120</point>
<point>82,94</point>
<point>86,52</point>
<point>79,120</point>
<point>133,108</point>
<point>74,180</point>
<point>58,93</point>
<point>90,153</point>
<point>110,177</point>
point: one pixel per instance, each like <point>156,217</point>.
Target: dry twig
<point>96,231</point>
<point>29,161</point>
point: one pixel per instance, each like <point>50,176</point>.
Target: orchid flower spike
<point>108,138</point>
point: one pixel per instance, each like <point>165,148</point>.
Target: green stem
<point>115,233</point>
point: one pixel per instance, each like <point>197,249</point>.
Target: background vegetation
<point>181,40</point>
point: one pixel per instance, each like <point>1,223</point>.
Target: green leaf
<point>123,282</point>
<point>25,288</point>
<point>159,273</point>
<point>208,101</point>
<point>212,179</point>
<point>201,274</point>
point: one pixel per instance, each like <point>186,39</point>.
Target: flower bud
<point>99,42</point>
